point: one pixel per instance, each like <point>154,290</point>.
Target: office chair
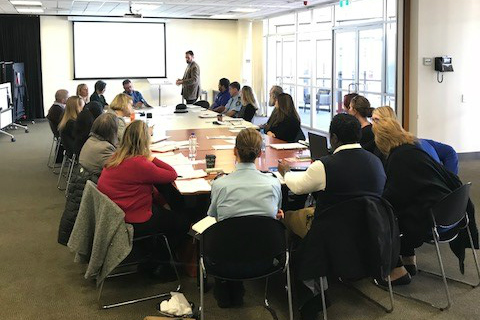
<point>245,248</point>
<point>450,211</point>
<point>352,240</point>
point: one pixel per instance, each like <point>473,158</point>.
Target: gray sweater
<point>100,235</point>
<point>95,153</point>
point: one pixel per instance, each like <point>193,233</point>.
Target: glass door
<point>359,65</point>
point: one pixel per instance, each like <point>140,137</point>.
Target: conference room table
<point>179,126</point>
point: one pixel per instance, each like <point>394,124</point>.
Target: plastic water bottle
<point>192,146</point>
<point>264,140</point>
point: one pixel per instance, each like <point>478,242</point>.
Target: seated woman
<point>84,123</point>
<point>284,123</point>
<point>66,127</point>
<point>244,192</point>
<point>121,106</point>
<point>415,182</point>
<point>359,107</point>
<point>82,92</point>
<point>249,105</point>
<point>128,179</point>
<point>100,146</point>
<point>440,152</point>
<point>99,91</point>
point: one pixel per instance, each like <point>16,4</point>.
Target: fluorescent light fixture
<point>223,16</point>
<point>29,10</point>
<point>245,10</point>
<point>145,6</point>
<point>26,3</point>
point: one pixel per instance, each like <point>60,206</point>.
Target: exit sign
<point>344,3</point>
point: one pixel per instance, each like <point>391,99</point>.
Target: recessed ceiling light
<point>245,10</point>
<point>29,10</point>
<point>223,16</point>
<point>26,3</point>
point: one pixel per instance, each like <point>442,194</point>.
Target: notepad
<point>186,171</point>
<point>204,224</point>
<point>287,146</point>
<point>208,115</point>
<point>193,186</point>
<point>176,160</point>
<point>223,146</point>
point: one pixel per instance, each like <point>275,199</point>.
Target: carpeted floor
<point>39,280</point>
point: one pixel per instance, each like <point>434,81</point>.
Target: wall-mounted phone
<point>443,64</point>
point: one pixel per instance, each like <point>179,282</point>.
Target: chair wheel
<point>26,131</point>
<point>13,139</point>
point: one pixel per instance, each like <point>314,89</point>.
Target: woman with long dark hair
<point>284,123</point>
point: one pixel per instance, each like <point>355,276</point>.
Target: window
<point>355,44</point>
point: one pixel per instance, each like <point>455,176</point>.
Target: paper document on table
<point>165,146</point>
<point>156,138</point>
<point>208,115</point>
<point>287,146</point>
<point>176,160</point>
<point>204,224</point>
<point>193,186</point>
<point>221,137</point>
<point>230,141</point>
<point>223,146</point>
<point>187,172</point>
<point>279,176</point>
<point>235,130</point>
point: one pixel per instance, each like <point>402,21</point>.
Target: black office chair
<point>451,210</point>
<point>202,103</point>
<point>245,248</point>
<point>352,240</point>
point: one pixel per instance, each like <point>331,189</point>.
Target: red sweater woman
<point>128,179</point>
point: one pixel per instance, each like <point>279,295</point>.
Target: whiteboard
<point>119,50</point>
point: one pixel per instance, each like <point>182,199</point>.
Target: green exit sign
<point>344,3</point>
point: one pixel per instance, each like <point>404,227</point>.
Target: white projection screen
<point>118,50</point>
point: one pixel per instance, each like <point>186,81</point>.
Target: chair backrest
<point>244,247</point>
<point>452,208</point>
<point>352,239</point>
<point>53,128</point>
<point>202,103</point>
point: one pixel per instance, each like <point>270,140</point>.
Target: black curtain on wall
<point>20,42</point>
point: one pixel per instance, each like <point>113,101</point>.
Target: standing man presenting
<point>191,79</point>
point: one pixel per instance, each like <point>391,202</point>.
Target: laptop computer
<point>318,146</point>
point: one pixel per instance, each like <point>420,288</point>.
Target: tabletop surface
<point>178,127</point>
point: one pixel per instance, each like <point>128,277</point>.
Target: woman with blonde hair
<point>66,126</point>
<point>121,106</point>
<point>284,123</point>
<point>129,178</point>
<point>249,104</point>
<point>440,152</point>
<point>415,182</point>
<point>82,92</point>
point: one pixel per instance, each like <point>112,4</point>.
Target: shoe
<point>311,309</point>
<point>222,294</point>
<point>411,268</point>
<point>402,281</point>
